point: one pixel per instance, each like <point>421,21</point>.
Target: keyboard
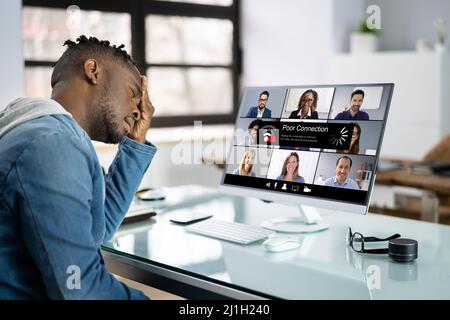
<point>229,231</point>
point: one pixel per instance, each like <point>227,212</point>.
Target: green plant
<point>441,29</point>
<point>364,28</point>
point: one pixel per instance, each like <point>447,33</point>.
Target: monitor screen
<point>315,143</point>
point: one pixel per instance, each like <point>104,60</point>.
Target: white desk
<point>163,255</point>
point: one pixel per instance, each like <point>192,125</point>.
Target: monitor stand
<point>309,221</point>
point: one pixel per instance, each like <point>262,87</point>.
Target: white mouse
<point>281,243</point>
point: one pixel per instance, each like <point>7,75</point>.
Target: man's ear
<point>92,71</point>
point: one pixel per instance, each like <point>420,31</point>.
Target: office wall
<point>347,15</point>
<point>11,61</point>
<point>405,21</point>
<point>285,42</point>
<point>289,41</point>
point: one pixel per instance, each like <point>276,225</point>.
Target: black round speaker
<point>403,250</point>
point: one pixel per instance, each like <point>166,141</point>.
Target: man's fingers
<point>145,97</point>
<point>144,83</point>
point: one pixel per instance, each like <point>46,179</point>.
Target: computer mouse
<point>281,243</point>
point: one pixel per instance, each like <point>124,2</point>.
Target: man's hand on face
<point>146,108</point>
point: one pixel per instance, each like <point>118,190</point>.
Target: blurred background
<point>199,54</point>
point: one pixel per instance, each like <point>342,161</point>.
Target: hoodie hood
<point>26,109</point>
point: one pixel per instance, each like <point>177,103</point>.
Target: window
<point>214,2</point>
<point>173,43</point>
<point>46,29</point>
<point>188,49</point>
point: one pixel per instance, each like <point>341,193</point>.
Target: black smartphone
<point>188,217</point>
<point>149,194</point>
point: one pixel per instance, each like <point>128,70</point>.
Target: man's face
<point>356,102</point>
<point>117,108</point>
<point>262,101</point>
<point>342,170</point>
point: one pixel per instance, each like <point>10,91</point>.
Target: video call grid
<point>321,120</point>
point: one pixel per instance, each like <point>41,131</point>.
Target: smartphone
<point>149,194</point>
<point>188,217</point>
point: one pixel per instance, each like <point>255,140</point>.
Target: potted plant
<point>441,31</point>
<point>365,40</point>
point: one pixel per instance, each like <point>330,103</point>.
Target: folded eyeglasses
<point>356,242</point>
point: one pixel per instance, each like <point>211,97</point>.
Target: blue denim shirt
<point>57,208</point>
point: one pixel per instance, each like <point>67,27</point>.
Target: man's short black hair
<point>359,91</point>
<point>344,157</point>
<point>264,92</point>
<point>84,48</point>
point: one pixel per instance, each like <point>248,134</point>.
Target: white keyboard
<point>229,231</point>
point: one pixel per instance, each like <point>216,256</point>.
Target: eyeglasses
<point>356,242</point>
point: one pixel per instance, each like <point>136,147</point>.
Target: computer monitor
<point>315,146</point>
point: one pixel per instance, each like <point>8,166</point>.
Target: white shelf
<point>420,110</point>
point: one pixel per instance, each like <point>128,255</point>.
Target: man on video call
<point>260,111</point>
<point>354,112</point>
<point>342,179</point>
<point>56,206</point>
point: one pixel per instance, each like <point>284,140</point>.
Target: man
<point>260,111</point>
<point>56,207</point>
<point>354,112</point>
<point>341,180</point>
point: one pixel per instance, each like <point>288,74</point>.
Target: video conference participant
<point>253,128</point>
<point>289,172</point>
<point>260,111</point>
<point>246,165</point>
<point>341,180</point>
<point>354,112</point>
<point>307,102</point>
<point>354,142</point>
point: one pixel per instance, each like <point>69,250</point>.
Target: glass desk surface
<point>324,267</point>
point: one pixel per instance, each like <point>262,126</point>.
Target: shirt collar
<point>260,112</point>
<point>343,183</point>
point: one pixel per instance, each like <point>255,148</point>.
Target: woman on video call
<point>245,168</point>
<point>290,169</point>
<point>354,143</point>
<point>307,102</point>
